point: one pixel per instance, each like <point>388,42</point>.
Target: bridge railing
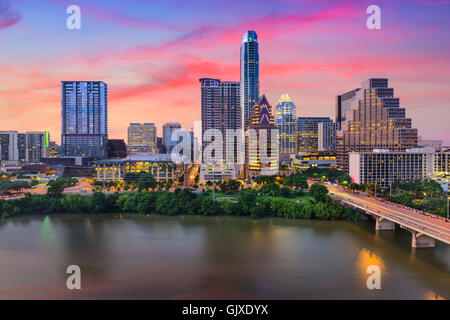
<point>401,221</point>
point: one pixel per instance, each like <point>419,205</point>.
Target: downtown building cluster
<point>369,138</point>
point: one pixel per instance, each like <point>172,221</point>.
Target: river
<point>156,257</point>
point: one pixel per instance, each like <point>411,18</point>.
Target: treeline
<point>179,202</point>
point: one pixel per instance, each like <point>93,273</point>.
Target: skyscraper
<point>375,121</point>
<point>249,83</point>
<point>27,147</point>
<point>36,146</point>
<point>142,138</point>
<point>168,129</point>
<point>327,136</point>
<point>261,150</point>
<point>84,129</point>
<point>343,105</point>
<point>285,119</point>
<point>221,110</point>
<point>308,133</point>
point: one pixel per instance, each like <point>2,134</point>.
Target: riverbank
<point>181,202</point>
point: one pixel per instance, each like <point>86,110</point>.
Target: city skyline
<point>144,75</point>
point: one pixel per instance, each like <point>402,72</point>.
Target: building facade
<point>343,105</point>
<point>261,142</point>
<point>29,147</point>
<point>220,110</point>
<point>249,79</point>
<point>327,136</point>
<point>168,129</point>
<point>84,113</point>
<point>159,165</point>
<point>117,149</point>
<point>142,138</point>
<point>285,120</point>
<point>308,133</point>
<point>375,121</point>
<point>383,167</point>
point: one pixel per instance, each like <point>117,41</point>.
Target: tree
<point>354,186</point>
<point>146,180</point>
<point>319,192</point>
<point>55,187</point>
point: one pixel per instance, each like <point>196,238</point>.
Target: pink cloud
<point>8,17</point>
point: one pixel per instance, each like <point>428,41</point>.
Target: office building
<point>84,130</point>
<point>8,146</point>
<point>159,165</point>
<point>327,136</point>
<point>261,149</point>
<point>384,167</point>
<point>249,80</point>
<point>285,120</point>
<point>343,105</point>
<point>376,121</point>
<point>221,110</point>
<point>36,146</point>
<point>308,133</point>
<point>142,138</point>
<point>321,160</point>
<point>29,147</point>
<point>168,129</point>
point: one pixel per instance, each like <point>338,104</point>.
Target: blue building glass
<point>249,82</point>
<point>84,114</point>
<point>285,120</point>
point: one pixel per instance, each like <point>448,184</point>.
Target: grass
<point>304,198</point>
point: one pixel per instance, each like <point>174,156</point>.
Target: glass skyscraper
<point>249,87</point>
<point>84,113</point>
<point>285,120</point>
<point>308,133</point>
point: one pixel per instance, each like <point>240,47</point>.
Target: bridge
<point>425,229</point>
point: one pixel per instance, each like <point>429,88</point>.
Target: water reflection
<point>130,256</point>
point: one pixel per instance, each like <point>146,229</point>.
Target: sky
<point>152,53</point>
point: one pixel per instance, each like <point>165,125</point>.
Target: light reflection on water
<point>154,257</point>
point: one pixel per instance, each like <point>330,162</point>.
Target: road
<point>430,223</point>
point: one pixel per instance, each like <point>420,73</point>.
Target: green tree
<point>319,192</point>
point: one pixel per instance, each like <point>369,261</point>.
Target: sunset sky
<point>152,53</point>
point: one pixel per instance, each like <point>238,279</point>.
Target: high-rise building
<point>142,138</point>
<point>29,147</point>
<point>221,110</point>
<point>37,146</point>
<point>308,133</point>
<point>168,129</point>
<point>261,150</point>
<point>9,150</point>
<point>249,82</point>
<point>327,136</point>
<point>285,120</point>
<point>84,130</point>
<point>343,105</point>
<point>375,121</point>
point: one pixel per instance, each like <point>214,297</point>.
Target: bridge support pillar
<point>420,240</point>
<point>383,224</point>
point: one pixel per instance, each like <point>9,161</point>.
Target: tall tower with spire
<point>249,81</point>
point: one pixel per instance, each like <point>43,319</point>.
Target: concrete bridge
<point>424,229</point>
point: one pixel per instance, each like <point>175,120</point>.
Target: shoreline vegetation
<point>290,196</point>
<point>315,204</point>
